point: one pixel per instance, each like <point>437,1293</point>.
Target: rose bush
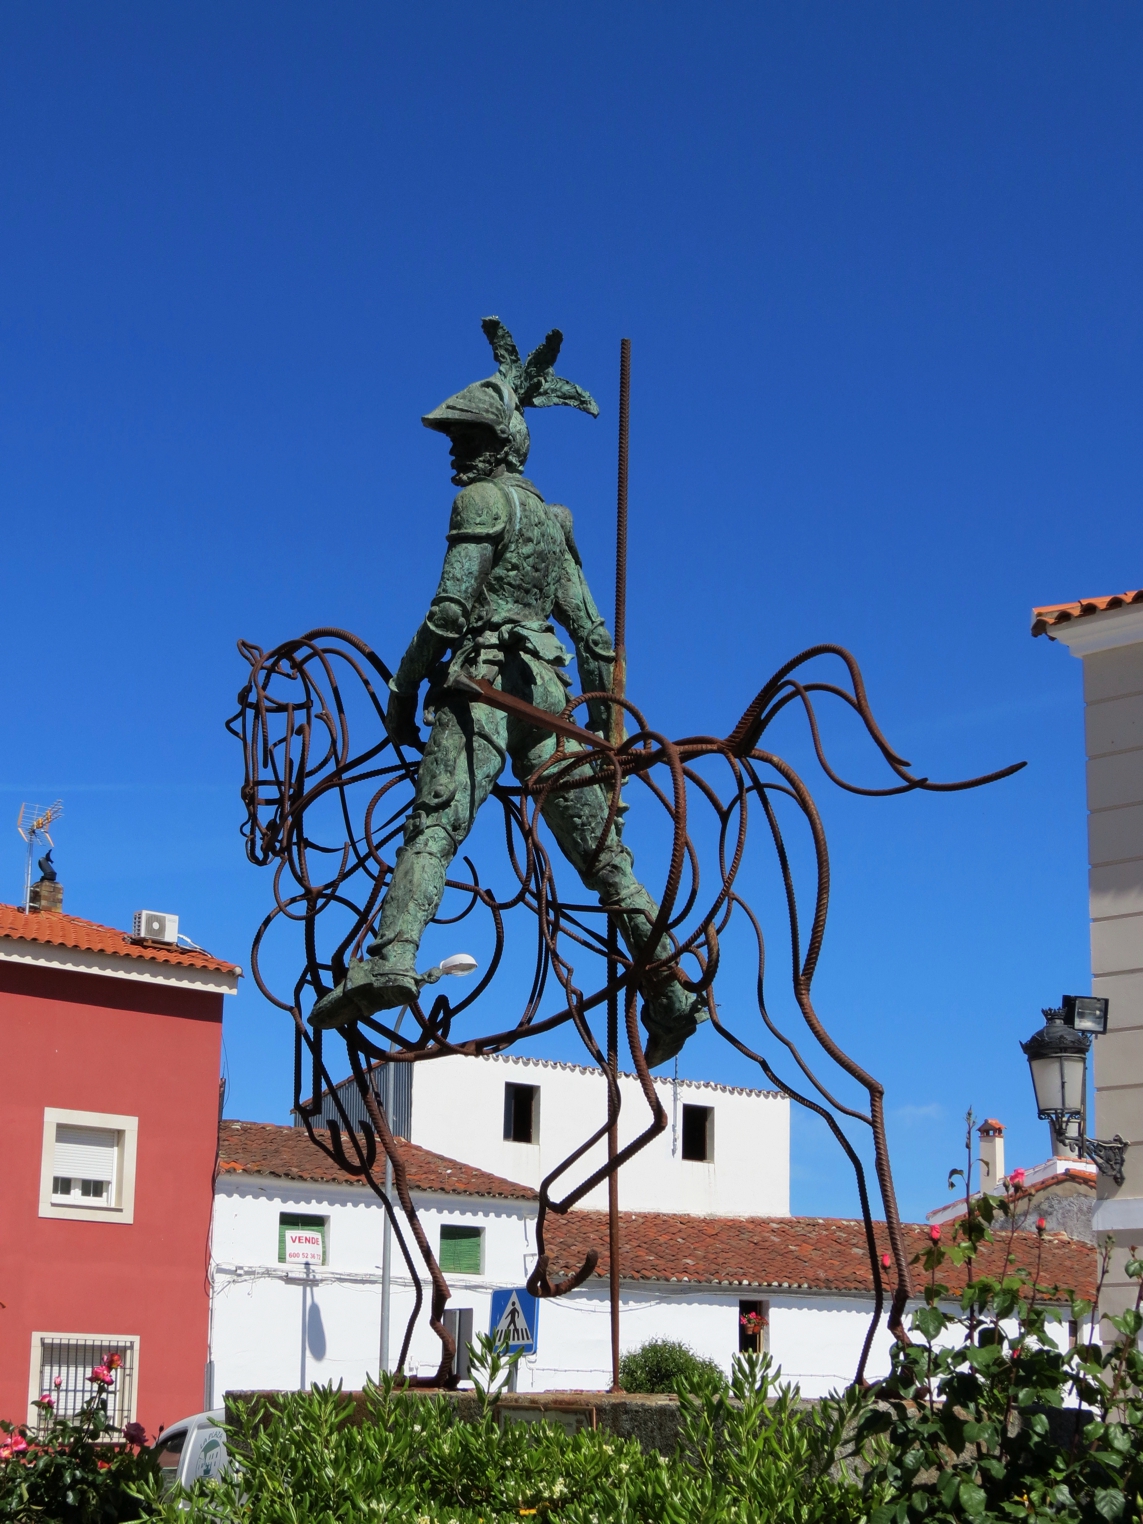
<point>72,1470</point>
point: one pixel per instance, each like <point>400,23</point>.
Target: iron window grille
<point>70,1360</point>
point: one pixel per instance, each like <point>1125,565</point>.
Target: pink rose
<point>47,1400</point>
<point>886,1261</point>
<point>17,1444</point>
<point>101,1375</point>
<point>1017,1177</point>
<point>935,1233</point>
<point>58,1382</point>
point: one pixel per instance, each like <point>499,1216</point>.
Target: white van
<point>192,1449</point>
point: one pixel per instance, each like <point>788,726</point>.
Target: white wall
<point>274,1327</point>
<point>1110,644</point>
<point>458,1110</point>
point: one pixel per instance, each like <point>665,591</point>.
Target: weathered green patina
<point>511,568</point>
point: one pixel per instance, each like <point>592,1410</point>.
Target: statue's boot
<point>670,1013</point>
<point>370,985</point>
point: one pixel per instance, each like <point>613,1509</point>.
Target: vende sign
<point>303,1246</point>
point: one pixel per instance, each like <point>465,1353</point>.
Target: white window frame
<point>41,1336</point>
<point>122,1207</point>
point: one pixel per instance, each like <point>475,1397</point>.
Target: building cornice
<point>76,960</point>
<point>1102,631</point>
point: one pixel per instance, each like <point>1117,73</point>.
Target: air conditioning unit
<point>153,926</point>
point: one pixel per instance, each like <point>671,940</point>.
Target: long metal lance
<point>619,688</point>
<point>619,679</point>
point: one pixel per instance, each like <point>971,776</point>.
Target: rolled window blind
<point>85,1153</point>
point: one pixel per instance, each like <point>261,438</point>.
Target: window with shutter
<point>87,1166</point>
<point>460,1252</point>
<point>84,1164</point>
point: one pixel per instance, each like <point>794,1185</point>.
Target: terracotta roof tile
<point>1061,613</point>
<point>783,1253</point>
<point>54,929</point>
<point>286,1153</point>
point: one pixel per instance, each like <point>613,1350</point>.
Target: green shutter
<point>460,1251</point>
<point>298,1220</point>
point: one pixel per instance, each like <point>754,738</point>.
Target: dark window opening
<point>458,1321</point>
<point>521,1113</point>
<point>753,1327</point>
<point>698,1132</point>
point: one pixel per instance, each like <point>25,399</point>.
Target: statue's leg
<point>463,759</point>
<point>577,820</point>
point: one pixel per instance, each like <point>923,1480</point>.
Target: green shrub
<point>413,1462</point>
<point>660,1365</point>
<point>959,1433</point>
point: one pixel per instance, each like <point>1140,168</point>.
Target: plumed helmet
<point>498,402</point>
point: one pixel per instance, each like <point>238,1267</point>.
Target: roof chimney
<point>991,1154</point>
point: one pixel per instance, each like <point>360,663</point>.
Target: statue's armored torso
<point>524,581</point>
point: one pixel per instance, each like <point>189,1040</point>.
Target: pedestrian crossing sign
<point>513,1321</point>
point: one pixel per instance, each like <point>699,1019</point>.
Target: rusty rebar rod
<point>619,688</point>
<point>619,677</point>
<point>613,1147</point>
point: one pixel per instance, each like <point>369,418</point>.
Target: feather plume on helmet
<point>498,402</point>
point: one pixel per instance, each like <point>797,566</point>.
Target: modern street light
<point>1057,1058</point>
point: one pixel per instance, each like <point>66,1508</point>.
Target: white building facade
<point>725,1150</point>
<point>1106,635</point>
<point>296,1276</point>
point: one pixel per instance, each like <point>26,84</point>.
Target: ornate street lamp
<point>1057,1057</point>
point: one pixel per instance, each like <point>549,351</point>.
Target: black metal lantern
<point>1057,1058</point>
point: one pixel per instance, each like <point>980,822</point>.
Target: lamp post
<point>1057,1058</point>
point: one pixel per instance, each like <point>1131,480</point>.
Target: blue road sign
<point>514,1316</point>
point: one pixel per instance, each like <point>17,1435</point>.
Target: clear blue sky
<point>880,265</point>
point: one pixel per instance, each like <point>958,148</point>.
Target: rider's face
<point>474,452</point>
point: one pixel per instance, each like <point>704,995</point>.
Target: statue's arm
<point>576,611</point>
<point>466,567</point>
<point>479,519</point>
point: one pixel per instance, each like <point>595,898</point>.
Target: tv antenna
<point>33,824</point>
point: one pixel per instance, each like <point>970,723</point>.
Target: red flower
<point>16,1445</point>
<point>1016,1178</point>
<point>101,1375</point>
<point>885,1261</point>
<point>935,1233</point>
<point>113,1362</point>
<point>1041,1224</point>
<point>135,1434</point>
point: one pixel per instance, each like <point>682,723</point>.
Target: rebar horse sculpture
<point>325,815</point>
<point>295,732</point>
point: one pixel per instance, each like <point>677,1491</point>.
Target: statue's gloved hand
<point>401,720</point>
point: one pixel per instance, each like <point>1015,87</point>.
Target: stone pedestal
<point>652,1419</point>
